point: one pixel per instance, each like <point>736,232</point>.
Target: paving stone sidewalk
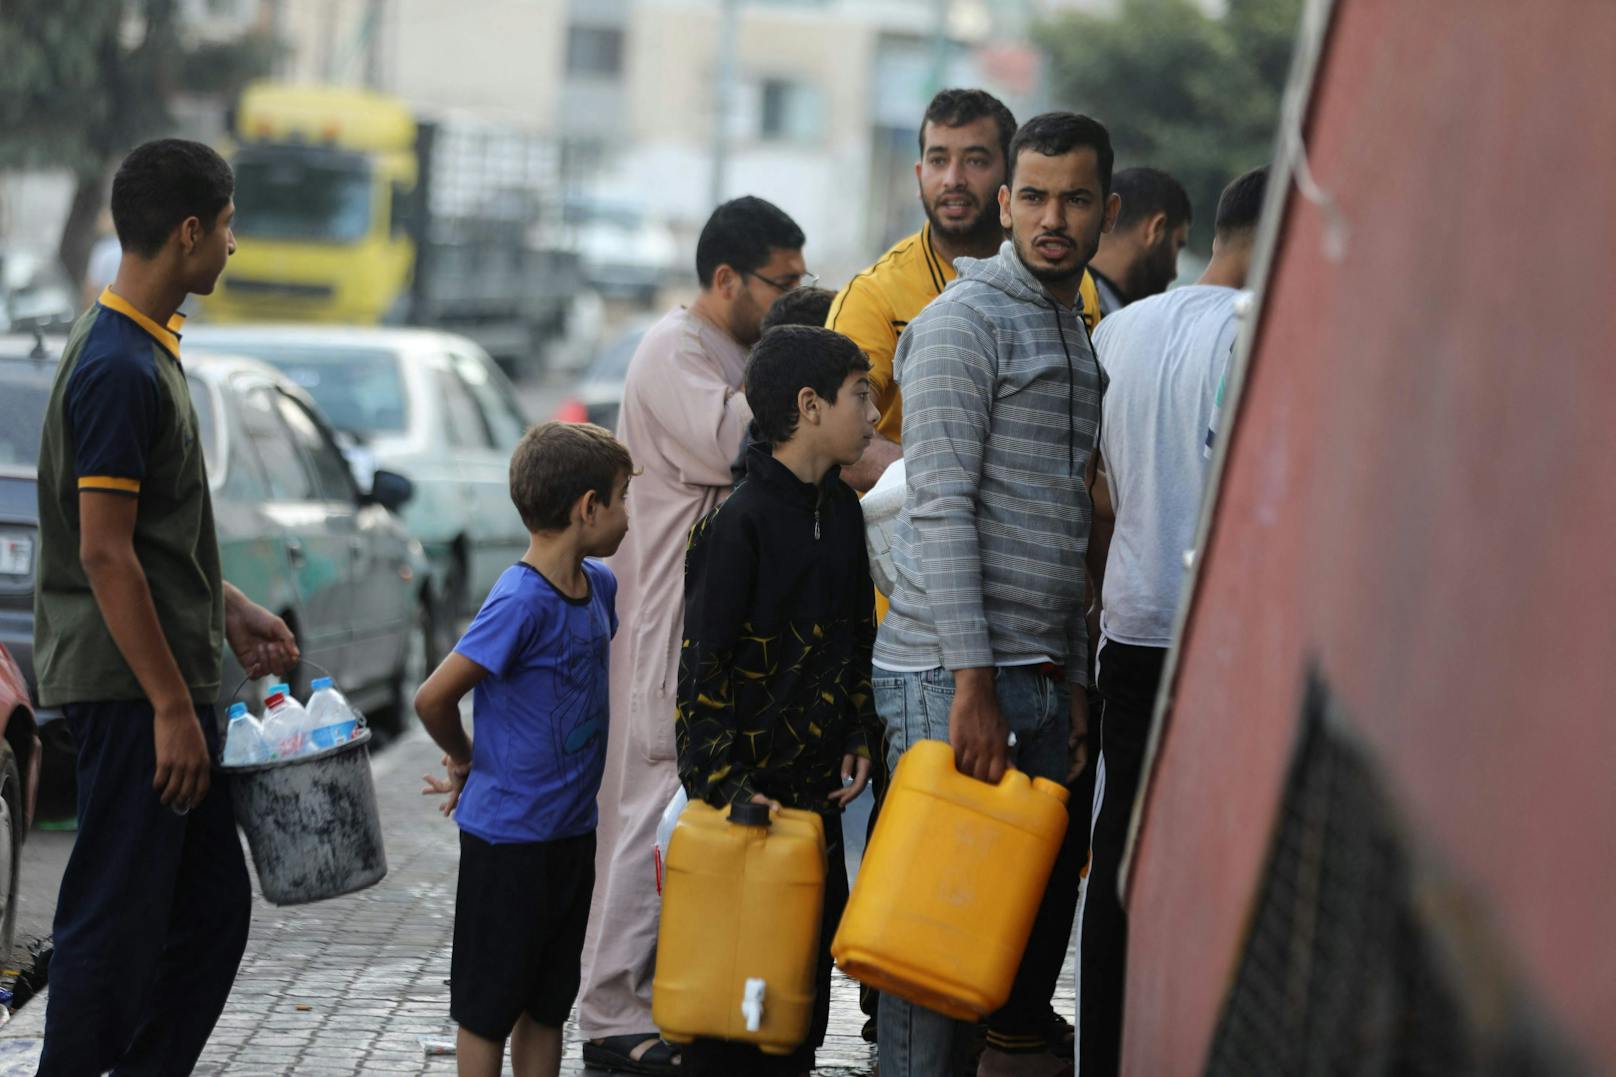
<point>353,985</point>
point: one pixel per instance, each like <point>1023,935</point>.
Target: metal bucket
<point>312,823</point>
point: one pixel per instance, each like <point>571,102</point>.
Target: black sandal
<point>615,1054</point>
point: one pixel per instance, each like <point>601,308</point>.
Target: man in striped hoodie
<point>986,634</point>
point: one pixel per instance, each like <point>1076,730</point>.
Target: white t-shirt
<point>1164,357</point>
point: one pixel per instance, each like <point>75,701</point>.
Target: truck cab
<point>326,180</point>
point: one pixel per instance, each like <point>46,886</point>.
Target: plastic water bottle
<point>244,739</point>
<point>285,725</point>
<point>331,720</point>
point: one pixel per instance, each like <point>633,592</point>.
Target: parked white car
<point>431,406</point>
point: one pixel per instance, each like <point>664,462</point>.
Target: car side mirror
<point>390,490</point>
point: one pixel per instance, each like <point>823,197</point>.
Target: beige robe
<point>683,419</point>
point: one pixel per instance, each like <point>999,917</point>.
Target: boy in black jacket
<point>774,677</point>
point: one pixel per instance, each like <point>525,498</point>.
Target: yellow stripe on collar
<point>168,338</point>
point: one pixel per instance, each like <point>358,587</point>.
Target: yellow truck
<point>353,210</point>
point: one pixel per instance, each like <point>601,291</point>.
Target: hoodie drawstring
<point>1071,390</point>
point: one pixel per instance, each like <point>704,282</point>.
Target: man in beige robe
<point>683,419</point>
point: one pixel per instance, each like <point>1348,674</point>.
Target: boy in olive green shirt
<point>130,614</point>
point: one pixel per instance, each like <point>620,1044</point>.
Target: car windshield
<point>298,195</point>
<point>23,396</point>
<point>361,390</point>
<point>611,365</point>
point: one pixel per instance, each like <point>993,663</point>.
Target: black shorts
<point>520,914</point>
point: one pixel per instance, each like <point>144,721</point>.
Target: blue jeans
<point>915,1041</point>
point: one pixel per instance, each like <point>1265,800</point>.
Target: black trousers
<point>1129,677</point>
<point>153,913</point>
<point>719,1058</point>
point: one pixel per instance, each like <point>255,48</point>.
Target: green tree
<point>84,81</point>
<point>1195,95</point>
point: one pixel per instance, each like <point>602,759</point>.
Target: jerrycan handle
<point>745,813</point>
<point>1051,788</point>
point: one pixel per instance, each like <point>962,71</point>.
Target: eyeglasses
<point>806,280</point>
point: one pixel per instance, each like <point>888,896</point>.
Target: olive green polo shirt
<point>120,422</point>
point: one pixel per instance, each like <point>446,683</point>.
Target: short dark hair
<point>741,233</point>
<point>787,359</point>
<point>803,305</point>
<point>1240,205</point>
<point>1056,133</point>
<point>956,108</point>
<point>162,183</point>
<point>1146,192</point>
<point>556,463</point>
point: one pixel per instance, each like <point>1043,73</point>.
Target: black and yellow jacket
<point>774,673</point>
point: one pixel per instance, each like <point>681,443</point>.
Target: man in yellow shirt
<point>964,139</point>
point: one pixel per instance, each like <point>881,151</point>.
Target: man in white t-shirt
<point>1163,358</point>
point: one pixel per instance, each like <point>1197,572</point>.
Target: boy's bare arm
<point>123,595</point>
<point>438,705</point>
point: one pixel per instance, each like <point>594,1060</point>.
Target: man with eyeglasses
<point>683,418</point>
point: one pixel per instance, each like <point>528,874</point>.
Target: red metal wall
<point>1421,492</point>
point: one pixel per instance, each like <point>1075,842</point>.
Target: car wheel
<point>439,626</point>
<point>413,667</point>
<point>10,844</point>
<point>452,599</point>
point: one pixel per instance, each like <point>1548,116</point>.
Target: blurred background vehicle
<point>623,251</point>
<point>27,365</point>
<point>296,533</point>
<point>598,395</point>
<point>19,785</point>
<point>359,212</point>
<point>427,405</point>
<point>300,536</point>
<point>35,292</point>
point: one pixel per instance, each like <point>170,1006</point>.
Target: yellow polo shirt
<point>878,304</point>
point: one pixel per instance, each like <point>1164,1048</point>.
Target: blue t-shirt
<point>539,717</point>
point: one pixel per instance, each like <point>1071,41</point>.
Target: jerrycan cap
<point>745,813</point>
<point>1050,788</point>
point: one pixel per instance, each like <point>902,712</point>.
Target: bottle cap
<point>237,710</point>
<point>745,813</point>
<point>283,689</point>
<point>319,683</point>
<point>274,699</point>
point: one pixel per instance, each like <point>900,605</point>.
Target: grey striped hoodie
<point>1001,398</point>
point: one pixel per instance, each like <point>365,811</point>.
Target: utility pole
<point>939,47</point>
<point>328,44</point>
<point>723,96</point>
<point>374,20</point>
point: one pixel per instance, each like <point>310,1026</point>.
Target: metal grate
<point>1360,958</point>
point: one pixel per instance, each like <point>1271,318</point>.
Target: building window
<point>595,51</point>
<point>790,111</point>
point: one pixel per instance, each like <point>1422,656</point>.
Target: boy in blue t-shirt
<point>523,790</point>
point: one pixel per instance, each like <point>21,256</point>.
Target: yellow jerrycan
<point>739,940</point>
<point>950,884</point>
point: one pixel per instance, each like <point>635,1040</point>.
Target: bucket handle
<point>359,715</point>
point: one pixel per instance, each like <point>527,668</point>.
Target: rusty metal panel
<point>1419,499</point>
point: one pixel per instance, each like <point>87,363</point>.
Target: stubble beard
<point>982,230</point>
<point>1056,274</point>
<point>744,329</point>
